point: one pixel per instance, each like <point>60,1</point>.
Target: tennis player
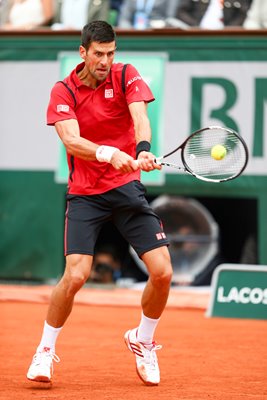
<point>100,113</point>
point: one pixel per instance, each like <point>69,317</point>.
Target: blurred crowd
<point>133,14</point>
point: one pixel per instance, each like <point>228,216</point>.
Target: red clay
<point>202,358</point>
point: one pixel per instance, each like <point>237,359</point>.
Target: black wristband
<point>144,145</point>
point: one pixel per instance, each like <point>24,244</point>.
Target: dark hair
<point>97,31</point>
<point>108,249</point>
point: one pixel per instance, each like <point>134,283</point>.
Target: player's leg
<point>157,289</point>
<point>85,216</point>
<point>143,229</point>
<point>155,295</point>
<point>76,273</point>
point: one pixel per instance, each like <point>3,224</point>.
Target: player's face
<point>98,59</point>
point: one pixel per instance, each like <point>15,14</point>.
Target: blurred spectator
<point>106,265</point>
<point>257,15</point>
<point>111,265</point>
<point>212,14</point>
<point>74,14</point>
<point>143,14</point>
<point>249,251</point>
<point>26,14</point>
<point>115,9</point>
<point>4,9</point>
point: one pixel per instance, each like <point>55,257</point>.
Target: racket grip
<point>158,160</point>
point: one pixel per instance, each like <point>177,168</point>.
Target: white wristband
<point>105,153</point>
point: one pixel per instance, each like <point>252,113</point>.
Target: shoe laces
<point>150,356</point>
<point>46,356</point>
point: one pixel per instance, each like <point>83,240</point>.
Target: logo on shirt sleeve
<point>63,108</point>
<point>134,79</point>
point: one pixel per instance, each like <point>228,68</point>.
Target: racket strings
<point>197,154</point>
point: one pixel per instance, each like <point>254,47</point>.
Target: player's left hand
<point>146,161</point>
<point>123,162</point>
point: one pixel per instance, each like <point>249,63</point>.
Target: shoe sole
<point>40,378</point>
<point>126,340</point>
<point>147,383</point>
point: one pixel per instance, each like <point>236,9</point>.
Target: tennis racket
<point>198,159</point>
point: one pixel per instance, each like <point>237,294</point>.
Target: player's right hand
<point>146,161</point>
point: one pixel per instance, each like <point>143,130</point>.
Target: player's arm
<point>69,132</point>
<point>138,111</point>
<point>66,124</point>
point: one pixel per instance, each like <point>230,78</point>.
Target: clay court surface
<point>202,358</point>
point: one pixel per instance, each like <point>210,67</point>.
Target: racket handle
<point>158,160</point>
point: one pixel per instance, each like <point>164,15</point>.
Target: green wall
<point>31,225</point>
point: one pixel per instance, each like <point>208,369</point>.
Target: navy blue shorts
<point>126,206</point>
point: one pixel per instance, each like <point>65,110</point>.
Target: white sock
<point>49,337</point>
<point>146,329</point>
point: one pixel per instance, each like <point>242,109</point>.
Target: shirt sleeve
<point>136,89</point>
<point>61,105</point>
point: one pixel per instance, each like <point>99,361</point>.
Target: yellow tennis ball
<point>218,152</point>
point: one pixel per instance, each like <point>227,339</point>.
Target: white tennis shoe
<point>146,359</point>
<point>41,368</point>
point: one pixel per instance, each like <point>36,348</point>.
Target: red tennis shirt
<point>103,118</point>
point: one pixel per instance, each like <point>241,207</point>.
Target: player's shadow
<point>39,386</point>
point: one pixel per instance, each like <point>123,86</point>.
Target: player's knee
<point>159,266</point>
<point>76,275</point>
<point>162,277</point>
<point>76,281</point>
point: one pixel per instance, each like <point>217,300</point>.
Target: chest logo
<point>108,93</point>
